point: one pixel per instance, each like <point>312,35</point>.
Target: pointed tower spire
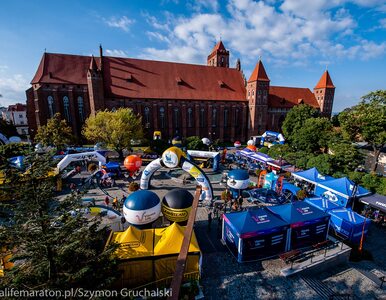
<point>325,81</point>
<point>259,73</point>
<point>219,57</point>
<point>93,64</point>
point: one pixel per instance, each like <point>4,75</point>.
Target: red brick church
<point>212,101</point>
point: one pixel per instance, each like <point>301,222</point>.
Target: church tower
<point>219,57</point>
<point>95,85</point>
<point>257,95</point>
<point>324,94</point>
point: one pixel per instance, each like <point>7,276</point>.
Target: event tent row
<point>344,221</point>
<point>149,255</point>
<point>341,190</point>
<point>260,233</point>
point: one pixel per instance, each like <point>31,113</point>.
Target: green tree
<point>295,119</point>
<point>345,157</point>
<point>322,162</point>
<point>313,136</point>
<point>56,133</point>
<point>279,151</point>
<point>14,149</point>
<point>116,129</point>
<point>264,150</point>
<point>367,122</point>
<point>53,248</point>
<point>195,143</point>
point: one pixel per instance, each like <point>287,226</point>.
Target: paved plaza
<point>224,278</point>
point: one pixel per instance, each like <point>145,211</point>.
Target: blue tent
<point>254,234</point>
<point>309,225</point>
<point>312,175</point>
<point>376,201</point>
<point>322,204</point>
<point>339,191</point>
<point>290,190</point>
<point>349,224</point>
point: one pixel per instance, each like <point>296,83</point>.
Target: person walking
<point>210,216</point>
<point>107,201</point>
<point>122,201</point>
<point>115,203</point>
<point>240,201</point>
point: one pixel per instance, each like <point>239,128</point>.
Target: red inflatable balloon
<point>132,163</point>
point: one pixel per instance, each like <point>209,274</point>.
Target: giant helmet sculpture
<point>174,157</point>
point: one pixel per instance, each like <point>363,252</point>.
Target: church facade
<point>213,101</point>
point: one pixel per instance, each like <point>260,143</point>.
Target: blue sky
<point>295,38</point>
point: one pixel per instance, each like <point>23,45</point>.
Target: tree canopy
<point>56,133</point>
<point>54,246</point>
<point>367,122</point>
<point>296,118</point>
<point>116,129</point>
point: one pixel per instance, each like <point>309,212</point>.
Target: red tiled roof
<point>62,69</point>
<point>219,47</point>
<point>259,73</point>
<point>137,78</point>
<point>17,107</point>
<point>157,79</point>
<point>287,97</point>
<point>325,81</point>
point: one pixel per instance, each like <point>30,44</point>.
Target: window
<point>162,116</point>
<point>265,92</point>
<point>80,109</point>
<point>226,117</point>
<point>51,109</point>
<point>249,93</point>
<point>259,92</point>
<point>253,92</point>
<point>190,117</point>
<point>21,122</point>
<point>176,117</point>
<point>147,117</point>
<point>66,108</point>
<point>237,112</point>
<point>20,116</point>
<point>214,117</point>
<point>202,117</point>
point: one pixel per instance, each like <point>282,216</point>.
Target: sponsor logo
<point>200,179</point>
<point>176,214</point>
<point>146,172</point>
<point>229,235</point>
<point>261,219</point>
<point>330,196</point>
<point>133,244</point>
<point>144,218</point>
<point>380,203</point>
<point>170,159</point>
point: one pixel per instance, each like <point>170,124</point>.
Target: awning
<point>377,201</point>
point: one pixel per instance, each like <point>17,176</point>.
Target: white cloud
<point>12,87</point>
<point>382,23</point>
<point>121,23</point>
<point>199,5</point>
<point>116,53</point>
<point>295,33</point>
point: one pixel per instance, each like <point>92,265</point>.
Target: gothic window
<point>190,117</point>
<point>176,117</point>
<point>66,108</point>
<point>80,109</point>
<point>214,117</point>
<point>237,112</point>
<point>51,109</point>
<point>147,117</point>
<point>253,92</point>
<point>225,117</point>
<point>202,117</point>
<point>162,116</point>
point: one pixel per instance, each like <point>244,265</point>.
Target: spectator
<point>209,219</point>
<point>240,201</point>
<point>115,203</point>
<point>107,201</point>
<point>122,201</point>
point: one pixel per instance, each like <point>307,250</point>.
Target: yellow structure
<point>150,255</point>
<point>5,264</point>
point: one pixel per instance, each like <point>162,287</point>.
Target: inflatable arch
<point>172,158</point>
<point>206,154</point>
<point>3,139</point>
<point>69,158</point>
<point>277,135</point>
